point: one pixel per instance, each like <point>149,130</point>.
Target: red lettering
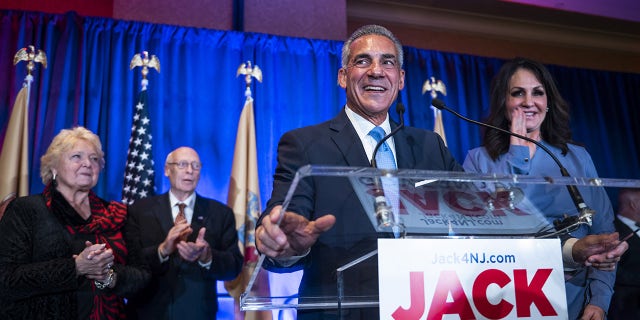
<point>416,307</point>
<point>427,201</point>
<point>484,306</point>
<point>449,297</point>
<point>464,203</point>
<point>449,283</point>
<point>531,293</point>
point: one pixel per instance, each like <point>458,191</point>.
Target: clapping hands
<point>189,251</point>
<point>94,261</point>
<point>198,250</point>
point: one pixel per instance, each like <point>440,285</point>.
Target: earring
<point>53,180</point>
<point>547,109</point>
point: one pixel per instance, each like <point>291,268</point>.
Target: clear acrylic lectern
<point>426,204</point>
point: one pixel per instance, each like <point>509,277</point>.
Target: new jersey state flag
<point>244,199</point>
<point>14,157</point>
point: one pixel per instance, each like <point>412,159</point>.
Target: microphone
<point>384,212</point>
<point>586,213</point>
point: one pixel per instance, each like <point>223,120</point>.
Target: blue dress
<point>588,285</point>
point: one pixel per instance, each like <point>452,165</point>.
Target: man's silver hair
<point>367,30</point>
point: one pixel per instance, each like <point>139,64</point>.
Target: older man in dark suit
<point>189,241</point>
<point>325,225</point>
<point>625,303</point>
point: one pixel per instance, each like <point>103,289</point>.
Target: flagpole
<point>28,79</point>
<point>244,199</point>
<point>32,57</point>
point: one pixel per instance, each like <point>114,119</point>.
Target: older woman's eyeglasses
<point>195,165</point>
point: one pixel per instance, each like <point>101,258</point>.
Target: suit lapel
<point>165,219</point>
<point>624,229</point>
<point>346,139</point>
<point>199,219</point>
<point>404,152</point>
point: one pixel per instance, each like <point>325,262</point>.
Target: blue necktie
<point>384,157</point>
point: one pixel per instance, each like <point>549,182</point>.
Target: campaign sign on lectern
<point>471,279</point>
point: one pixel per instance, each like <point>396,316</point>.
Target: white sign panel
<point>471,279</point>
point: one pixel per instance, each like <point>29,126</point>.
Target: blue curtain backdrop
<point>196,99</point>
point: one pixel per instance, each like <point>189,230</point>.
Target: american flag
<point>139,173</point>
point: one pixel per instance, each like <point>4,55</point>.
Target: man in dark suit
<point>325,225</point>
<point>189,241</point>
<point>625,303</point>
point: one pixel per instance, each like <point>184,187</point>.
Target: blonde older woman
<point>62,252</point>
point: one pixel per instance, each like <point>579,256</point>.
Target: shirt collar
<point>629,222</point>
<point>189,201</point>
<point>363,126</point>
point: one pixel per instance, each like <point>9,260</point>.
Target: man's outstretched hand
<point>293,236</point>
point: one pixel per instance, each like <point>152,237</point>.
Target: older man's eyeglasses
<point>195,165</point>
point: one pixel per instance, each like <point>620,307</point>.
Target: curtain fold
<point>193,101</point>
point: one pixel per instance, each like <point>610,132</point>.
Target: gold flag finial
<point>249,71</point>
<point>434,86</point>
<point>145,61</point>
<point>30,55</point>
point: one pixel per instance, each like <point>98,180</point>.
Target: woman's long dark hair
<point>555,128</point>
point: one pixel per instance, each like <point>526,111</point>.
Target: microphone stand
<point>568,223</point>
<point>383,211</point>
